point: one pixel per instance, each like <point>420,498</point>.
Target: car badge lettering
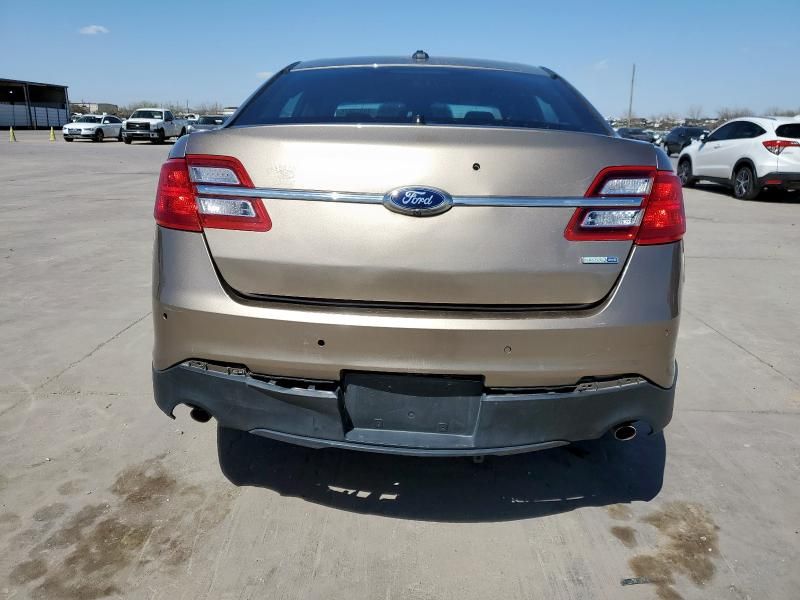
<point>600,260</point>
<point>418,201</point>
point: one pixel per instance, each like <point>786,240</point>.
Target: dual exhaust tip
<point>625,432</point>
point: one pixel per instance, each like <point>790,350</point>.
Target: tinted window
<point>211,121</point>
<point>169,116</point>
<point>432,95</point>
<point>89,120</point>
<point>746,129</point>
<point>790,131</point>
<point>726,132</point>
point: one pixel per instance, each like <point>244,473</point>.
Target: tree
<point>695,112</point>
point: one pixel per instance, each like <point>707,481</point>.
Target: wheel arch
<point>744,161</point>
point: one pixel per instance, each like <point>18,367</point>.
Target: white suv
<point>747,154</point>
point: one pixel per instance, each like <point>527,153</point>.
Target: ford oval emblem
<point>418,201</point>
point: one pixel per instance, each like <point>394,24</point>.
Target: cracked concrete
<point>95,480</point>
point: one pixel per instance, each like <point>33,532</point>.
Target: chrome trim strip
<point>539,202</point>
<point>350,197</point>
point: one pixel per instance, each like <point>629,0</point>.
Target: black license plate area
<point>412,403</point>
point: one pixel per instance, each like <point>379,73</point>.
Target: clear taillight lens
<point>180,206</point>
<point>660,218</point>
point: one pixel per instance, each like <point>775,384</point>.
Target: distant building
<point>95,108</point>
<point>31,105</point>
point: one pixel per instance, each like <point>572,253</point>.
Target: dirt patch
<point>620,512</point>
<point>149,524</point>
<point>72,487</point>
<point>50,512</point>
<point>626,535</point>
<point>690,548</point>
<point>28,571</point>
<point>9,522</point>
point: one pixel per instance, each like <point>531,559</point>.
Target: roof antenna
<point>420,55</point>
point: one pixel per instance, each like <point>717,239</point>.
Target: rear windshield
<point>429,95</point>
<point>790,131</point>
<point>211,121</point>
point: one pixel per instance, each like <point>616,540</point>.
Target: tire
<point>68,140</point>
<point>685,173</point>
<point>98,136</point>
<point>160,139</point>
<point>745,185</point>
<point>127,140</point>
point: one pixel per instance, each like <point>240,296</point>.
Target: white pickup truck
<point>154,124</point>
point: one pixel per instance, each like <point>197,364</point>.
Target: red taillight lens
<point>176,207</point>
<point>660,218</point>
<point>180,205</point>
<point>664,219</point>
<point>778,146</point>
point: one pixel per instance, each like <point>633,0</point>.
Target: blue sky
<point>707,54</point>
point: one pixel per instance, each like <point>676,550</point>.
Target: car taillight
<point>659,219</point>
<point>179,205</point>
<point>778,146</point>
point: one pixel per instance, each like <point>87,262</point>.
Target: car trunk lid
<point>494,254</point>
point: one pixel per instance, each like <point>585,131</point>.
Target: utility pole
<point>630,102</point>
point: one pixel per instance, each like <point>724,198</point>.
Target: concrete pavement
<point>102,496</point>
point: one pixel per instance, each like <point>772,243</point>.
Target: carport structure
<point>32,105</point>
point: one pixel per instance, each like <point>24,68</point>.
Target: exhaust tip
<point>625,432</point>
<point>200,415</point>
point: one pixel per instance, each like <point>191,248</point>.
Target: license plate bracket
<point>412,403</point>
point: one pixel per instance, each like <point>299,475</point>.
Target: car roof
<point>772,121</point>
<point>408,61</point>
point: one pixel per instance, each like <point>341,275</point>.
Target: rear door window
<point>430,95</point>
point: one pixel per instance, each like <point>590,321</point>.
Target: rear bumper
<point>632,332</point>
<point>504,422</point>
<point>781,180</point>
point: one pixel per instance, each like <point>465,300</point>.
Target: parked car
<point>747,154</point>
<point>448,284</point>
<point>207,123</point>
<point>680,137</point>
<point>190,117</point>
<point>93,127</point>
<point>154,124</point>
<point>635,133</point>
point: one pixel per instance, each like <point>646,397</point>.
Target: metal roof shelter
<point>32,105</point>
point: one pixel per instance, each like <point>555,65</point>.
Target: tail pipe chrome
<point>625,432</point>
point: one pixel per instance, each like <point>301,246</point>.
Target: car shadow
<point>503,488</point>
<point>768,195</point>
